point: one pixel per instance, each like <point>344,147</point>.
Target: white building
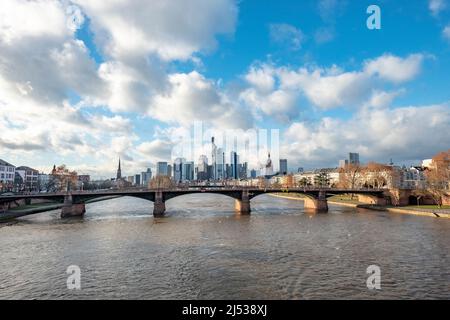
<point>7,174</point>
<point>413,178</point>
<point>332,173</point>
<point>27,178</point>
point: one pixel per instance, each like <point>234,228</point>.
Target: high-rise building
<point>146,177</point>
<point>188,171</point>
<point>213,158</point>
<point>283,166</point>
<point>169,170</point>
<point>137,179</point>
<point>243,170</point>
<point>353,158</point>
<point>234,162</point>
<point>219,174</point>
<point>161,169</point>
<point>179,174</point>
<point>253,174</point>
<point>202,168</point>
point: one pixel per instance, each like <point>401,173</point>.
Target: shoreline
<point>433,214</point>
<point>13,214</point>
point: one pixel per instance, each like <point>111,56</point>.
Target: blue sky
<point>119,79</point>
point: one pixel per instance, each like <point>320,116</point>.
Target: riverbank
<point>38,208</point>
<point>435,213</point>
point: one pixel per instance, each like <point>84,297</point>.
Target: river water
<point>202,250</point>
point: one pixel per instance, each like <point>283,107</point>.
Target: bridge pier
<point>371,200</point>
<point>71,209</point>
<point>242,206</point>
<point>159,205</point>
<point>319,204</point>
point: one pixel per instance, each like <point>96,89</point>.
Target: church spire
<point>119,172</point>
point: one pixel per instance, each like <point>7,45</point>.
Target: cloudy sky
<point>83,82</point>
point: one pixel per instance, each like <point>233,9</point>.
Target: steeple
<point>119,172</point>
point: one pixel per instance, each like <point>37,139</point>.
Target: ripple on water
<point>202,250</point>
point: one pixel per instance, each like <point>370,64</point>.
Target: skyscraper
<point>219,164</point>
<point>234,162</point>
<point>202,168</point>
<point>178,170</point>
<point>161,169</point>
<point>146,177</point>
<point>213,158</point>
<point>283,166</point>
<point>353,158</point>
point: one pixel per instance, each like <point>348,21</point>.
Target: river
<point>202,250</point>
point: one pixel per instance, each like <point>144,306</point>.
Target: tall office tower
<point>161,168</point>
<point>169,170</point>
<point>234,162</point>
<point>243,170</point>
<point>283,166</point>
<point>219,164</point>
<point>146,176</point>
<point>202,168</point>
<point>228,173</point>
<point>209,173</point>
<point>353,158</point>
<point>188,171</point>
<point>137,179</point>
<point>213,158</point>
<point>253,174</point>
<point>178,170</point>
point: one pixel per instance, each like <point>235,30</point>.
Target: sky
<point>84,82</point>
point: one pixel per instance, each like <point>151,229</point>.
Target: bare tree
<point>161,182</point>
<point>438,177</point>
<point>350,176</point>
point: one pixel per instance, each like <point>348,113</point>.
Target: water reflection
<point>202,249</point>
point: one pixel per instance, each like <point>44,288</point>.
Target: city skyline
<point>110,85</point>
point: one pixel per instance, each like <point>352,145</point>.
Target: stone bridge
<point>314,198</point>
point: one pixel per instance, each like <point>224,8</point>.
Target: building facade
<point>7,175</point>
<point>26,179</point>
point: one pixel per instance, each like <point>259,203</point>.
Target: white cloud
<point>21,19</point>
<point>170,29</point>
<point>436,6</point>
<point>157,150</point>
<point>283,33</point>
<point>192,97</point>
<point>377,134</point>
<point>446,32</point>
<point>382,99</point>
<point>395,69</point>
<point>274,90</point>
<point>324,35</point>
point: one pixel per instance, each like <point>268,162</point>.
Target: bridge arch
<point>233,195</point>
